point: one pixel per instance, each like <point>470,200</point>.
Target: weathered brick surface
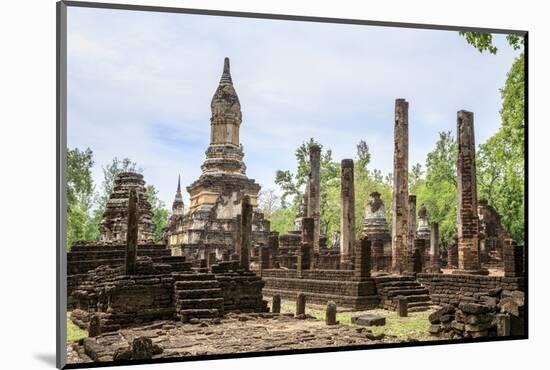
<point>314,193</point>
<point>411,219</point>
<point>347,212</point>
<point>320,286</point>
<point>453,289</point>
<point>400,187</point>
<point>467,223</point>
<point>513,259</point>
<point>85,256</point>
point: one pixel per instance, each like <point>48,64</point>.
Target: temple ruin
<point>219,258</point>
<point>211,222</point>
<point>113,224</point>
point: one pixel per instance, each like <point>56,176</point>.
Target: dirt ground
<point>232,334</point>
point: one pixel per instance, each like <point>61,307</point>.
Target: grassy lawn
<point>413,327</point>
<point>73,331</point>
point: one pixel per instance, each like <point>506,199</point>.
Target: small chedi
<point>211,222</point>
<point>113,224</point>
<point>375,228</point>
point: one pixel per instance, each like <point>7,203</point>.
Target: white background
<point>27,186</point>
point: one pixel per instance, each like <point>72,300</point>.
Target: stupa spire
<point>177,206</point>
<point>226,75</point>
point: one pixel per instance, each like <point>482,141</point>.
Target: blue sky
<point>140,85</point>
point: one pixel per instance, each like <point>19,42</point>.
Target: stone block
<point>368,320</point>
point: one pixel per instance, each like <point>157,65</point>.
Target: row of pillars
<point>404,206</point>
<point>347,210</point>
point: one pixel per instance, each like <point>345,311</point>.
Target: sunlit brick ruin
<point>210,225</point>
<point>220,266</point>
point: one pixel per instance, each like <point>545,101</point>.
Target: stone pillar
<point>132,234</point>
<point>276,304</point>
<point>347,212</point>
<point>400,187</point>
<point>411,220</point>
<point>467,217</point>
<point>301,304</point>
<point>237,236</point>
<point>142,348</point>
<point>225,256</point>
<point>94,326</point>
<point>330,315</point>
<point>273,243</point>
<point>264,258</point>
<point>211,259</point>
<point>503,325</point>
<point>402,306</point>
<point>362,258</point>
<point>306,246</point>
<point>378,254</point>
<point>314,202</point>
<point>415,258</point>
<point>435,264</point>
<point>513,259</point>
<point>452,256</point>
<point>246,232</point>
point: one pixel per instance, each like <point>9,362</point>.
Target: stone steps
<point>391,287</point>
<point>197,295</point>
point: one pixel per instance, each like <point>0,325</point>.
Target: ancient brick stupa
<point>215,198</point>
<point>423,230</point>
<point>114,223</point>
<point>375,228</point>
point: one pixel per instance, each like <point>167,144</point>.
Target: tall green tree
<point>500,160</point>
<point>80,190</point>
<point>110,172</point>
<point>438,191</point>
<point>160,213</point>
<point>292,186</point>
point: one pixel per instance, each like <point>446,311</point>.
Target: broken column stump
<point>435,264</point>
<point>503,325</point>
<point>330,315</point>
<point>142,349</point>
<point>362,258</point>
<point>301,305</point>
<point>513,259</point>
<point>402,306</point>
<point>276,304</point>
<point>94,326</point>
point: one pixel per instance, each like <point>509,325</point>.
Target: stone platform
<point>320,286</point>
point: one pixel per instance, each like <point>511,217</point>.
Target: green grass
<point>413,327</point>
<point>73,331</point>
